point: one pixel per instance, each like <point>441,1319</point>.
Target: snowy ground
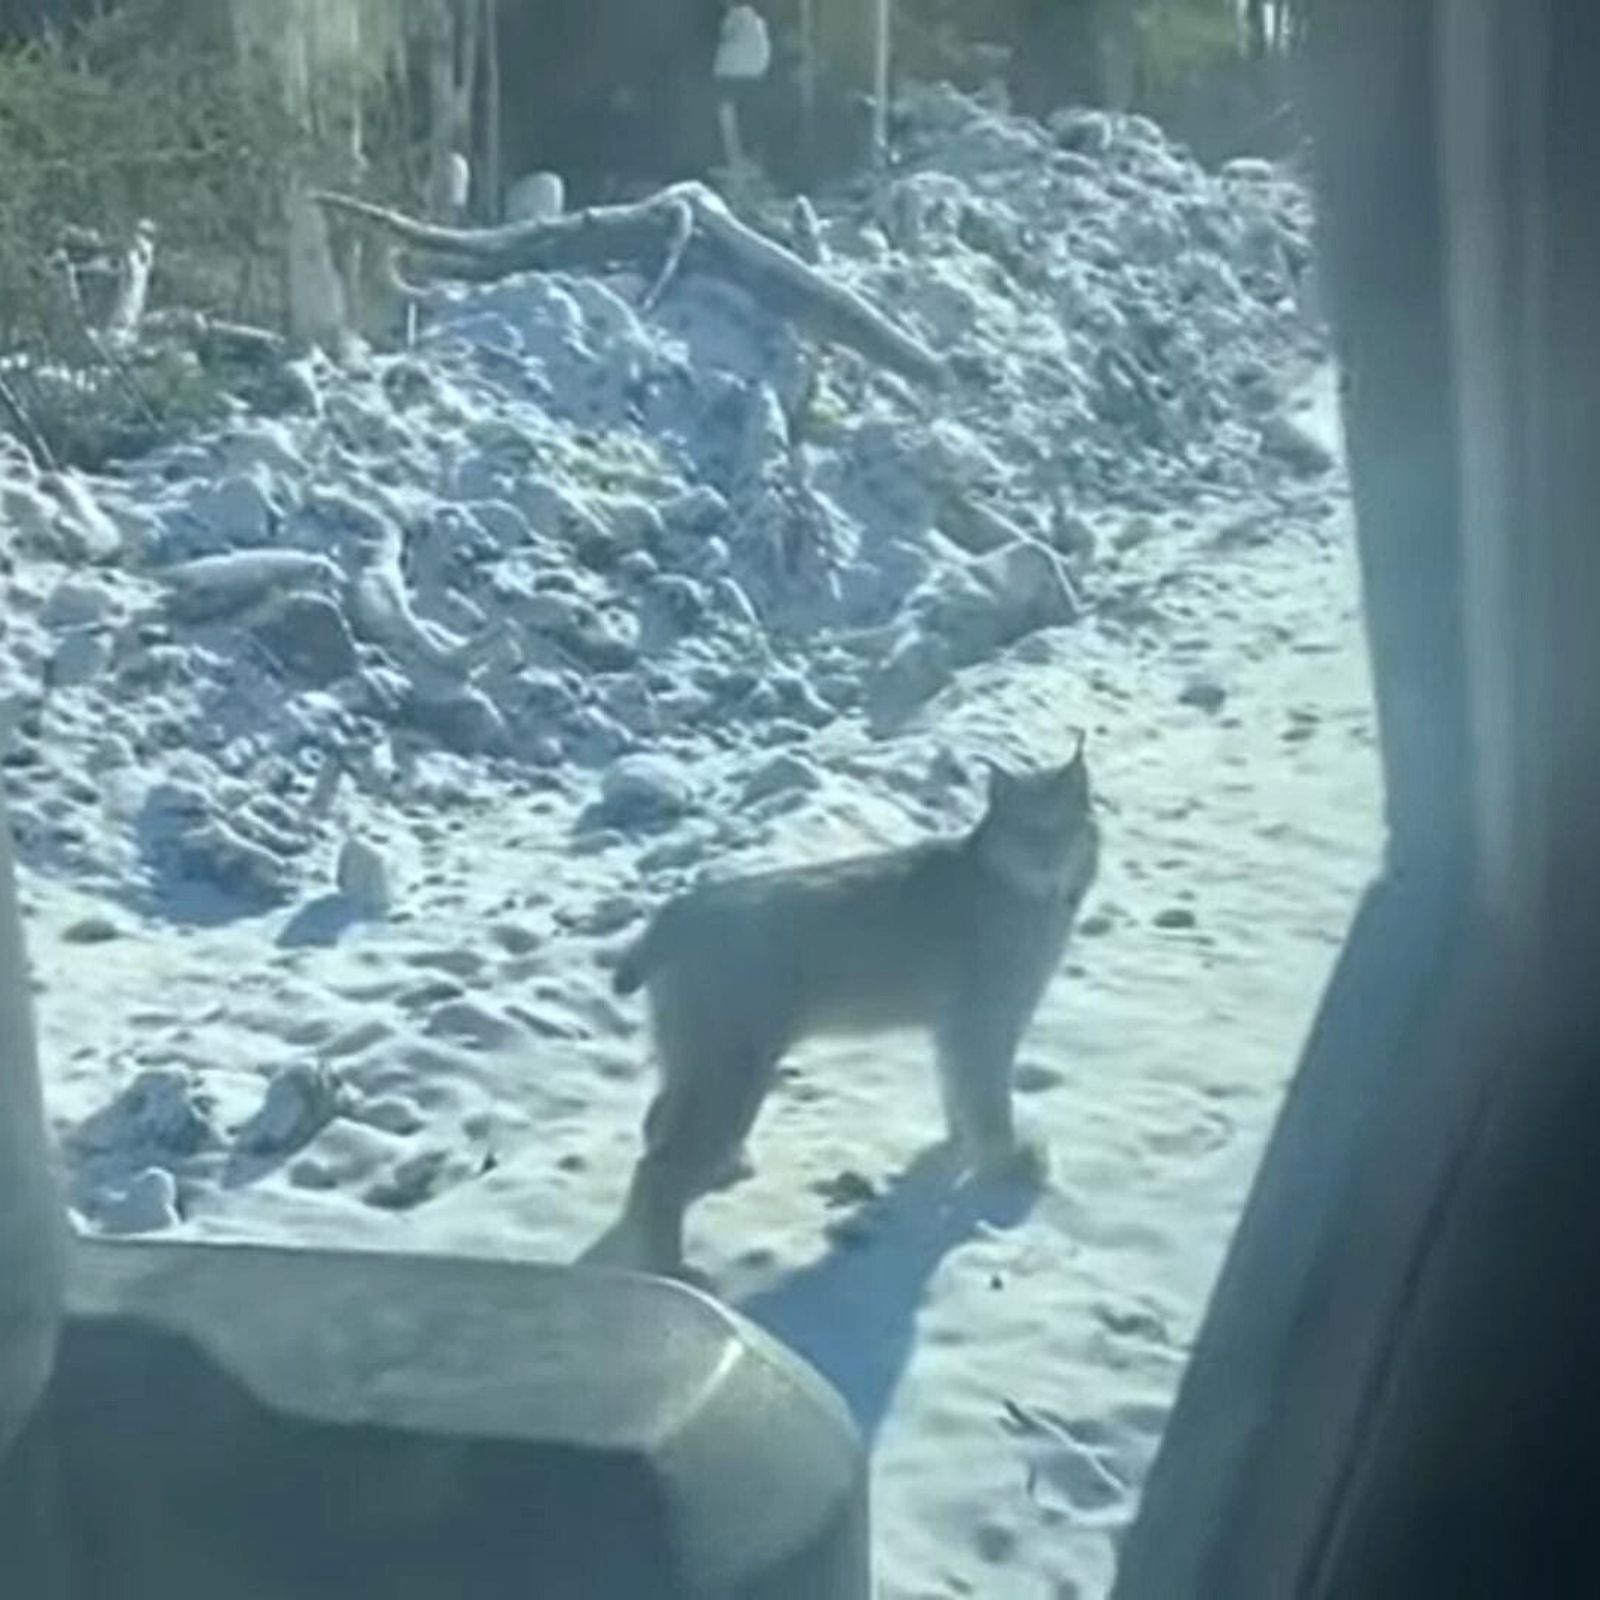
<point>734,641</point>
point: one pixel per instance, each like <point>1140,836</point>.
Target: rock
<point>502,523</point>
<point>672,855</point>
<point>76,603</point>
<point>592,739</point>
<point>1072,535</point>
<point>628,700</point>
<point>234,512</point>
<point>600,647</point>
<point>1137,530</point>
<point>34,517</point>
<point>946,770</point>
<point>552,613</point>
<point>641,792</point>
<point>217,586</point>
<point>92,929</point>
<point>635,525</point>
<point>159,1111</point>
<point>535,197</point>
<point>430,992</point>
<point>214,851</point>
<point>997,599</point>
<point>672,606</point>
<point>83,531</point>
<point>784,773</point>
<point>1175,918</point>
<point>1249,169</point>
<point>1033,1077</point>
<point>847,1188</point>
<point>147,1205</point>
<point>638,566</point>
<point>301,1100</point>
<point>1204,694</point>
<point>545,696</point>
<point>609,916</point>
<point>309,635</point>
<point>363,879</point>
<point>80,656</point>
<point>470,1023</point>
<point>977,527</point>
<point>1085,132</point>
<point>1289,441</point>
<point>782,730</point>
<point>110,753</point>
<point>995,1542</point>
<point>466,721</point>
<point>409,1182</point>
<point>393,1113</point>
<point>698,511</point>
<point>916,668</point>
<point>515,939</point>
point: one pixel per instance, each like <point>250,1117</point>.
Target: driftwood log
<point>682,229</point>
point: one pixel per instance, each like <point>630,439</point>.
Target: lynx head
<point>1038,830</point>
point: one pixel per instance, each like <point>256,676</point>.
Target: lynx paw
<point>1025,1160</point>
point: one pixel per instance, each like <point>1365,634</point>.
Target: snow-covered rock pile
<point>561,540</point>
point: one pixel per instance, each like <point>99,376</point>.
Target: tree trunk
<point>1257,39</point>
<point>490,179</point>
<point>314,304</point>
<point>851,35</point>
<point>808,83</point>
<point>882,33</point>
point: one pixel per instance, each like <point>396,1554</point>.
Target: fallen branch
<point>712,241</point>
<point>381,612</point>
<point>216,339</point>
<point>677,247</point>
<point>210,587</point>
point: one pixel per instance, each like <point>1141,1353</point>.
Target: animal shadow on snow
<point>853,1312</point>
<point>321,923</point>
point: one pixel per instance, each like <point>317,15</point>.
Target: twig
<point>677,245</point>
<point>32,440</point>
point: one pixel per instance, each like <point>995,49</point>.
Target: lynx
<point>956,936</point>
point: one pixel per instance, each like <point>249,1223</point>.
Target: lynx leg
<point>976,1054</point>
<point>693,1134</point>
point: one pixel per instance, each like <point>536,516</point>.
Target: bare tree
<point>491,164</point>
<point>1256,28</point>
<point>451,30</point>
<point>882,34</point>
<point>809,76</point>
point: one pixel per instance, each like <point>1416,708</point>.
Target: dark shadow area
<point>321,922</point>
<point>188,883</point>
<point>852,1314</point>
